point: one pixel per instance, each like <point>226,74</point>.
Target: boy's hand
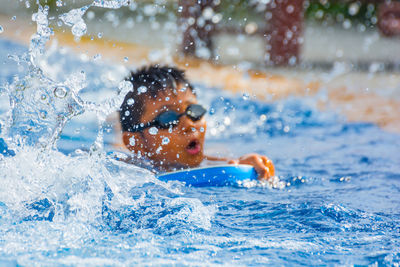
<point>263,165</point>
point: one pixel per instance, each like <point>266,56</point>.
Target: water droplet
<point>43,97</point>
<point>100,35</point>
<point>114,4</point>
<point>14,18</point>
<point>124,87</point>
<point>208,13</point>
<point>130,101</point>
<point>251,27</point>
<point>361,28</point>
<point>132,141</point>
<point>1,29</point>
<point>158,151</point>
<point>59,3</point>
<point>227,121</point>
<point>126,59</point>
<point>286,129</point>
<point>165,141</point>
<point>246,96</point>
<point>289,9</point>
<point>60,92</point>
<point>354,8</point>
<point>319,14</point>
<point>20,87</point>
<point>346,24</point>
<point>97,57</point>
<point>153,130</point>
<point>127,113</point>
<point>79,29</point>
<point>201,22</point>
<point>167,98</point>
<point>177,156</point>
<point>289,34</point>
<point>202,129</point>
<point>150,10</point>
<point>191,21</point>
<point>133,6</point>
<point>142,89</point>
<point>213,131</point>
<point>292,60</point>
<point>43,114</point>
<point>90,15</point>
<point>263,117</point>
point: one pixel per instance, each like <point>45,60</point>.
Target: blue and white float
<point>212,176</point>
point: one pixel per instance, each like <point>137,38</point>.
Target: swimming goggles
<point>171,118</point>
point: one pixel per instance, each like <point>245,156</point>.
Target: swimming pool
<point>338,203</point>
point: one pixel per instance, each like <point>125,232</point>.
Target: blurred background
<point>364,34</point>
<point>345,52</point>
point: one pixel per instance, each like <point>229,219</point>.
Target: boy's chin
<point>191,161</point>
<point>184,161</point>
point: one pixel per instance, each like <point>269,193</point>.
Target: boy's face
<point>178,145</point>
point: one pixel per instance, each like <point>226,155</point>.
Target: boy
<point>164,126</point>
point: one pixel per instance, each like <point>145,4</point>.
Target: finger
<point>233,161</point>
<point>262,173</point>
<point>261,169</point>
<point>259,163</point>
<point>269,165</point>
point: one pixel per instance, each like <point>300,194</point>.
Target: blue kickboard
<point>212,176</point>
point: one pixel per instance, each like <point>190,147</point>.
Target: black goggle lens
<point>171,118</point>
<point>195,112</point>
<point>167,119</point>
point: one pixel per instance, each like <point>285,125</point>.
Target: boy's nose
<point>187,124</point>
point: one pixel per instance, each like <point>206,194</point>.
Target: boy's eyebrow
<point>171,106</point>
<point>167,106</point>
<point>189,101</point>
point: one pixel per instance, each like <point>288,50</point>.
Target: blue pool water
<point>337,204</point>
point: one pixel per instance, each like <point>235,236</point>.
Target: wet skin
<point>186,140</point>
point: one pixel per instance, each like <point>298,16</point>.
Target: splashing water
<point>51,104</point>
<point>84,193</point>
<point>338,203</point>
<point>42,35</point>
<point>40,109</point>
<point>74,19</point>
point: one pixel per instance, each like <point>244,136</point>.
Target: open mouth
<point>193,147</point>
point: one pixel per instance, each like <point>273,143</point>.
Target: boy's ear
<point>133,141</point>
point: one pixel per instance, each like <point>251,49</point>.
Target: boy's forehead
<point>173,97</point>
<point>165,100</point>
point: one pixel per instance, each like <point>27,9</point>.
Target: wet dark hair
<point>148,82</point>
